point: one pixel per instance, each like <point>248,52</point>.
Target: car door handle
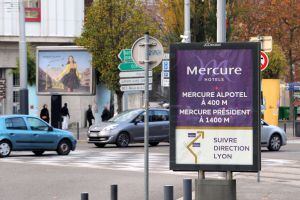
<point>11,134</point>
<point>35,135</point>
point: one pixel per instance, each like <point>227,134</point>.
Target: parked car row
<point>128,127</point>
<point>29,133</point>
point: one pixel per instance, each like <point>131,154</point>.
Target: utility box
<point>207,189</point>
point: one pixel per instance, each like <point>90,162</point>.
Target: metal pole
<point>77,127</point>
<point>284,127</point>
<point>168,192</point>
<point>221,20</point>
<point>221,37</point>
<point>23,60</point>
<point>84,196</point>
<point>146,133</point>
<point>187,189</point>
<point>187,23</point>
<point>114,192</point>
<point>229,175</point>
<point>201,175</point>
<point>258,176</point>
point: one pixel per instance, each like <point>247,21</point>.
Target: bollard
<point>187,189</point>
<point>84,196</point>
<point>168,192</point>
<point>77,126</point>
<point>284,127</point>
<point>114,192</point>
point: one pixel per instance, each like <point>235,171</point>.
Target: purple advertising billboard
<point>214,107</point>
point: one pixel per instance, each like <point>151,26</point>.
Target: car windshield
<point>125,116</point>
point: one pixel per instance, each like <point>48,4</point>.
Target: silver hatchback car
<point>128,127</point>
<point>272,137</point>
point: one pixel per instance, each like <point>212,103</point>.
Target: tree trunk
<point>119,101</point>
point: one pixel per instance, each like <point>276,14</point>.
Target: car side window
<point>160,115</point>
<point>36,124</point>
<point>15,123</point>
<point>141,117</point>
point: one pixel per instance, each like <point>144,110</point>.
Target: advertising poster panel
<point>214,107</point>
<point>64,70</point>
<point>271,97</point>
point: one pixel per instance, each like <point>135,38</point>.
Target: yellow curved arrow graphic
<point>200,133</point>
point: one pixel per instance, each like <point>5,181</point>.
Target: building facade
<point>47,23</point>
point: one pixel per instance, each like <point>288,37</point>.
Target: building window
<point>16,80</point>
<point>16,96</point>
<point>32,10</point>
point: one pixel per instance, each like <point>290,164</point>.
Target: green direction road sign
<point>125,55</point>
<point>129,66</point>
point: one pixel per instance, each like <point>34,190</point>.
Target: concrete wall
<point>62,18</point>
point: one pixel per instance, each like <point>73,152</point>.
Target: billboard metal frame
<point>256,123</point>
<point>64,48</point>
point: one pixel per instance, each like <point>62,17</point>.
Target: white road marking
<point>273,170</point>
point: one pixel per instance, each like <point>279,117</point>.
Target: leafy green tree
<point>31,66</point>
<point>110,26</point>
<point>278,67</point>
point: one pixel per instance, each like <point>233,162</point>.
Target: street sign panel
<point>133,81</point>
<point>165,82</point>
<point>264,59</point>
<point>133,74</point>
<point>134,87</point>
<point>166,74</point>
<point>166,65</point>
<point>166,56</point>
<point>215,112</point>
<point>156,52</point>
<point>265,41</point>
<point>129,66</point>
<point>125,55</point>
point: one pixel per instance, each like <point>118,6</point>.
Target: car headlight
<point>110,127</point>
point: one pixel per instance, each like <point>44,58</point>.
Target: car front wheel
<point>275,143</point>
<point>5,149</point>
<point>64,147</point>
<point>123,140</point>
<point>38,153</point>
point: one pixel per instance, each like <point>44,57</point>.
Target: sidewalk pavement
<point>249,189</point>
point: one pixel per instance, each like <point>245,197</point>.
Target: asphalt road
<point>93,170</point>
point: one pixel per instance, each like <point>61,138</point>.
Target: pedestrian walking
<point>105,114</point>
<point>66,116</point>
<point>45,114</point>
<point>89,115</point>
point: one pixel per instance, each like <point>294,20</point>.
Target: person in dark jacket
<point>90,116</point>
<point>45,114</point>
<point>65,114</point>
<point>105,114</point>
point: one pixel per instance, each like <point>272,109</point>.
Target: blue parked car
<point>29,133</point>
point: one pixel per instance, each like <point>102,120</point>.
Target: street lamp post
<point>23,60</point>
